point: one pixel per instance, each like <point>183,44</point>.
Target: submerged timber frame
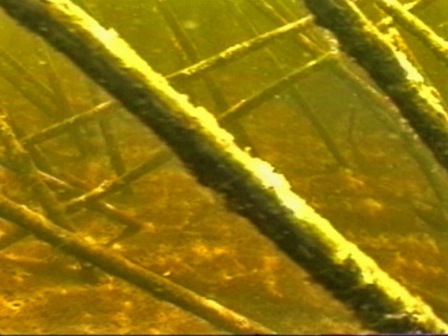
<point>251,186</point>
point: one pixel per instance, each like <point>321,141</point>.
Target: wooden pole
<point>250,185</point>
<point>119,266</point>
<point>418,102</point>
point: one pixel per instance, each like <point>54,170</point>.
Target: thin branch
<point>20,161</point>
<point>296,94</point>
<point>416,27</point>
<point>239,50</point>
<point>240,109</point>
<point>61,127</point>
<point>121,267</point>
<point>158,157</point>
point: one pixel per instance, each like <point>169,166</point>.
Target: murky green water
<point>340,146</point>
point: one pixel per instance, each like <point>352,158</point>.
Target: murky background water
<point>338,140</point>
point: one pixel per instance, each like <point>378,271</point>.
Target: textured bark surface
<point>250,185</point>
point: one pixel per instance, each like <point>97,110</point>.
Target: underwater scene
<point>223,166</point>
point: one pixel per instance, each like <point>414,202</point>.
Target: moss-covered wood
<point>416,27</point>
<point>131,272</point>
<point>418,102</point>
<point>250,185</point>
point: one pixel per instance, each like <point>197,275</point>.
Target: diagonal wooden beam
<point>250,185</point>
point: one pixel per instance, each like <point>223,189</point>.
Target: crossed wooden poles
<point>251,186</point>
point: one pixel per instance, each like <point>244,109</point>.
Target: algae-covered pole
<point>237,51</point>
<point>392,71</point>
<point>244,106</point>
<point>416,27</point>
<point>250,185</point>
<point>62,126</point>
<point>119,266</point>
<point>21,163</point>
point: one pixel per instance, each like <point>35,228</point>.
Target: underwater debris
<point>174,247</point>
<point>211,154</point>
<point>391,70</point>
